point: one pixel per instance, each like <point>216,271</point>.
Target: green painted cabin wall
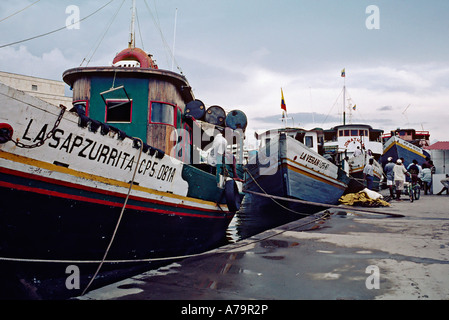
<point>137,90</point>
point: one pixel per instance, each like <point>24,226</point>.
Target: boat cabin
<point>137,99</point>
<point>313,139</point>
<point>346,139</point>
<point>417,138</point>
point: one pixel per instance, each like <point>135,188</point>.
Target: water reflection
<point>259,214</point>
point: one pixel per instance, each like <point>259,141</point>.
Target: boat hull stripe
<point>321,179</point>
<point>101,201</point>
<point>97,190</point>
<point>92,177</point>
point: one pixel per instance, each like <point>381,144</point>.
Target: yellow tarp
<point>362,199</point>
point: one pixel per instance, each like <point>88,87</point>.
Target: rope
<point>50,32</point>
<point>272,197</point>
<point>276,202</point>
<point>119,219</point>
<point>216,250</point>
<point>102,37</point>
<point>158,27</point>
<point>326,205</point>
<point>11,15</point>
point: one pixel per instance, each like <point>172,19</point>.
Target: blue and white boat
<point>397,148</point>
<point>288,165</point>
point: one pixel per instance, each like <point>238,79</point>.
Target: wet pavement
<point>343,255</point>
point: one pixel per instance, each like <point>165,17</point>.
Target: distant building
<point>51,91</point>
<point>439,152</point>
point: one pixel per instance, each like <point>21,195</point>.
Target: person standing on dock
<point>390,175</point>
<point>426,179</point>
<point>399,178</point>
<point>368,174</point>
<point>445,183</point>
<point>428,176</point>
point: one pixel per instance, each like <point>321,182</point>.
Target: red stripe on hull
<point>101,191</point>
<point>102,202</point>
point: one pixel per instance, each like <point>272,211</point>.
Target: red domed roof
<point>136,54</point>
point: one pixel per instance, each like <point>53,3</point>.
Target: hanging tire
<point>232,196</point>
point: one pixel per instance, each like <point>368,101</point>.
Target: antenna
<point>174,40</point>
<point>404,113</point>
<point>311,106</point>
<point>132,34</point>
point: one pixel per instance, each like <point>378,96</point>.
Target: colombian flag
<point>343,73</point>
<point>283,105</point>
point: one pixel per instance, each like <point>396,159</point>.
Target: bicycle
<point>414,190</point>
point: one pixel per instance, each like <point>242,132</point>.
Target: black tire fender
<point>232,196</point>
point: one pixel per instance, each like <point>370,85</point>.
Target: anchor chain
<point>48,135</point>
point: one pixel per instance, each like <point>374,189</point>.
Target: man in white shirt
<point>368,174</point>
<point>399,178</point>
<point>218,150</point>
<point>357,152</point>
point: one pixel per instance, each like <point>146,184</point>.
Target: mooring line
<point>224,249</point>
<point>276,202</point>
<point>340,206</point>
<point>118,221</point>
<point>273,197</point>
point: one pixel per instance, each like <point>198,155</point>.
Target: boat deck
<point>344,255</point>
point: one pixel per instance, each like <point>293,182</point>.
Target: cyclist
<point>413,169</point>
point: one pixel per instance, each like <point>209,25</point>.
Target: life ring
<point>232,196</point>
<point>6,132</point>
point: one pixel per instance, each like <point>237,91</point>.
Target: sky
<point>238,54</point>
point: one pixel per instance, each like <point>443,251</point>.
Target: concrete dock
<point>343,255</point>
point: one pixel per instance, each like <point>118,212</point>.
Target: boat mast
<point>132,43</point>
<point>344,100</point>
<point>174,40</point>
<point>344,106</point>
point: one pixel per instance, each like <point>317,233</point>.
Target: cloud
<point>308,119</point>
<point>49,65</point>
<point>418,78</point>
<point>385,108</point>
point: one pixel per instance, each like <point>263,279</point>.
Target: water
<point>257,215</point>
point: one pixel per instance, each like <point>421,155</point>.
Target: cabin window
<point>34,87</point>
<point>354,133</point>
<point>162,113</point>
<point>118,110</point>
<point>346,132</point>
<point>309,141</point>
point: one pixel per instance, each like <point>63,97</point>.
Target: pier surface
<point>338,256</point>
